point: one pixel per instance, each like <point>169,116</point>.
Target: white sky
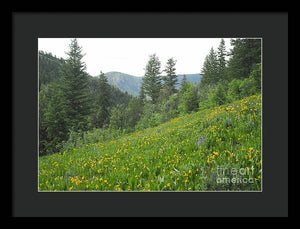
<point>130,55</point>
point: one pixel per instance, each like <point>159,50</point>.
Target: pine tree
<point>75,88</point>
<point>210,69</point>
<point>103,102</point>
<point>170,79</point>
<point>133,112</point>
<point>184,85</point>
<point>245,56</point>
<point>221,59</point>
<point>54,119</point>
<point>142,96</point>
<point>184,80</point>
<point>152,80</point>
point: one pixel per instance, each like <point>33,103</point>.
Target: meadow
<point>187,153</point>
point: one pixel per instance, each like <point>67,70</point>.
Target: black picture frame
<point>272,27</point>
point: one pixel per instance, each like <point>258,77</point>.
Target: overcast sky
<point>130,55</point>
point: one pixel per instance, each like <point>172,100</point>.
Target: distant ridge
<point>131,84</point>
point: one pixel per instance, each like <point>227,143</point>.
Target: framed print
<point>121,111</point>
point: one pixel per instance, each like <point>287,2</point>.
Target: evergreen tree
<point>184,85</point>
<point>49,66</point>
<point>103,102</point>
<point>133,112</point>
<point>152,81</point>
<point>75,89</point>
<point>221,59</point>
<point>142,96</point>
<point>170,79</point>
<point>117,119</point>
<point>44,97</point>
<point>210,69</point>
<point>245,56</point>
<point>53,119</point>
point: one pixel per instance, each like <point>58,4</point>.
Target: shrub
<point>218,96</point>
<point>117,118</point>
<point>170,108</point>
<point>188,99</point>
<point>234,90</point>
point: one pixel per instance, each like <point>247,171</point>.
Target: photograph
<point>150,114</point>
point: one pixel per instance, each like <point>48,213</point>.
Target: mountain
<point>194,78</point>
<point>132,84</point>
<point>125,82</point>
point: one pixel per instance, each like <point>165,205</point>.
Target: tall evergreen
<point>75,88</point>
<point>170,79</point>
<point>152,80</point>
<point>53,119</point>
<point>103,101</point>
<point>184,80</point>
<point>142,96</point>
<point>133,112</point>
<point>210,69</point>
<point>245,56</point>
<point>221,53</point>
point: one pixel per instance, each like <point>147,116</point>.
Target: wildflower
<point>201,140</point>
<point>216,153</point>
<point>168,185</point>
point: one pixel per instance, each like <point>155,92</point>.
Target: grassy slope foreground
<point>184,154</point>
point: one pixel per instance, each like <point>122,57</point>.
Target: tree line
<point>75,108</point>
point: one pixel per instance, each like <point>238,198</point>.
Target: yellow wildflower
<point>216,153</point>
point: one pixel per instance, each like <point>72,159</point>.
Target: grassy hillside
<point>188,153</point>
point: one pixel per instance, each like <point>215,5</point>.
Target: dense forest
<point>76,108</point>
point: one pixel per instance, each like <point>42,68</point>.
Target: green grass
<point>168,157</point>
